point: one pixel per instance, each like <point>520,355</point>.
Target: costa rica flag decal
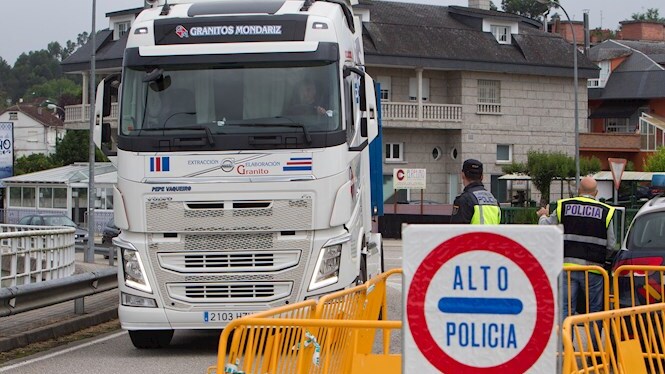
<point>159,164</point>
<point>298,164</point>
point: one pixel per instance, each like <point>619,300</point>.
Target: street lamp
<point>554,4</point>
<point>54,107</point>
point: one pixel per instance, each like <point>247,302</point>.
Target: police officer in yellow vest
<point>475,205</point>
<point>588,234</point>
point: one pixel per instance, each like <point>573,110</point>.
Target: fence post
<point>79,307</point>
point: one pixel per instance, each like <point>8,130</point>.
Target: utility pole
<point>90,252</point>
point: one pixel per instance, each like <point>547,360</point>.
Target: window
<point>403,196</point>
<point>22,197</point>
<point>453,187</point>
<point>621,125</point>
<point>413,89</point>
<point>52,197</point>
<point>385,83</point>
<point>501,33</point>
<point>13,116</point>
<point>123,28</point>
<point>489,96</point>
<point>104,198</point>
<point>504,153</point>
<point>394,152</point>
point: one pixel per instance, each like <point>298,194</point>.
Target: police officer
<point>588,233</point>
<point>475,205</point>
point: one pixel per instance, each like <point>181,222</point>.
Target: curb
<point>58,329</point>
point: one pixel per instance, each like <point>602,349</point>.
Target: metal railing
<point>32,254</point>
<point>18,299</point>
<point>431,112</point>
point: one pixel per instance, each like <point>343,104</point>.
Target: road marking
<point>58,353</point>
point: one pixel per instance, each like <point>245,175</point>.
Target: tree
<point>56,88</point>
<point>650,15</point>
<point>31,69</point>
<point>656,162</point>
<point>73,147</point>
<point>528,8</point>
<point>32,163</point>
<point>544,167</point>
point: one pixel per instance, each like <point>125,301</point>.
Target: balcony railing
<point>390,111</point>
<point>81,113</point>
<point>596,83</point>
<point>431,112</point>
<point>652,131</point>
<point>488,108</point>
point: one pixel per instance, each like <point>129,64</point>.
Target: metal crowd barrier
<point>587,270</point>
<point>333,335</point>
<point>646,285</point>
<point>629,340</point>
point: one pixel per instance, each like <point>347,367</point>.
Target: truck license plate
<point>222,316</point>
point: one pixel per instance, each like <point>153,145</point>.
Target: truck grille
<point>236,261</point>
<point>237,216</point>
<point>229,292</point>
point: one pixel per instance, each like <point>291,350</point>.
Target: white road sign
<point>409,178</point>
<point>481,299</point>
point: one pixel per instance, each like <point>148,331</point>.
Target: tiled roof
<point>41,115</point>
<point>429,36</point>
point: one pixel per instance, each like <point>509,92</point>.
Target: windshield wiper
<point>296,125</point>
<point>211,140</point>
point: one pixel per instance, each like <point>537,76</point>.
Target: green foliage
<point>56,88</point>
<point>517,216</point>
<point>656,162</point>
<point>650,15</point>
<point>528,8</point>
<point>543,167</point>
<point>73,147</point>
<point>32,163</point>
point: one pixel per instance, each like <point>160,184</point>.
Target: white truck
<point>235,193</point>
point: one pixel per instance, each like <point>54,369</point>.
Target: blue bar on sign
<point>480,305</point>
<point>295,168</point>
<point>152,164</point>
<point>165,164</point>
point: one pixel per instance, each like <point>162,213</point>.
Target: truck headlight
<point>327,266</point>
<point>134,271</point>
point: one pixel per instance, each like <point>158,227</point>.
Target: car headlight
<point>327,266</point>
<point>133,270</point>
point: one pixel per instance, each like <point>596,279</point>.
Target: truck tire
<point>150,339</point>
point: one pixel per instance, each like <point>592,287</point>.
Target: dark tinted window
<point>647,232</point>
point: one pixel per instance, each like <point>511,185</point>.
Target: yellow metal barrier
<point>587,270</point>
<point>335,335</point>
<point>646,285</point>
<point>629,340</point>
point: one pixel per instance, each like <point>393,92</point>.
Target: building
<point>456,83</point>
<point>62,190</point>
<point>36,129</point>
<point>627,101</point>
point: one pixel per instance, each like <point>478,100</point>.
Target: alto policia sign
<point>481,299</point>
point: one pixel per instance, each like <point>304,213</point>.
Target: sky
<point>31,25</point>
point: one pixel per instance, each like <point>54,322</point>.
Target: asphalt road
<point>190,351</point>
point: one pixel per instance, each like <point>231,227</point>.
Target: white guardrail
<point>32,254</point>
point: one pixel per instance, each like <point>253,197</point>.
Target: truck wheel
<point>149,339</point>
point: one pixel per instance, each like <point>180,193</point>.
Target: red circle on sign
<point>415,307</point>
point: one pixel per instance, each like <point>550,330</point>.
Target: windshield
<point>58,221</point>
<point>231,100</point>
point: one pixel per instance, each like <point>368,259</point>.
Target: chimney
<point>643,30</point>
<point>480,4</point>
<point>39,111</point>
<point>587,42</point>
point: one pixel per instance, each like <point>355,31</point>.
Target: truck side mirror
<point>110,89</point>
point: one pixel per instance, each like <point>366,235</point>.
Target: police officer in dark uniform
<point>475,205</point>
<point>588,234</point>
